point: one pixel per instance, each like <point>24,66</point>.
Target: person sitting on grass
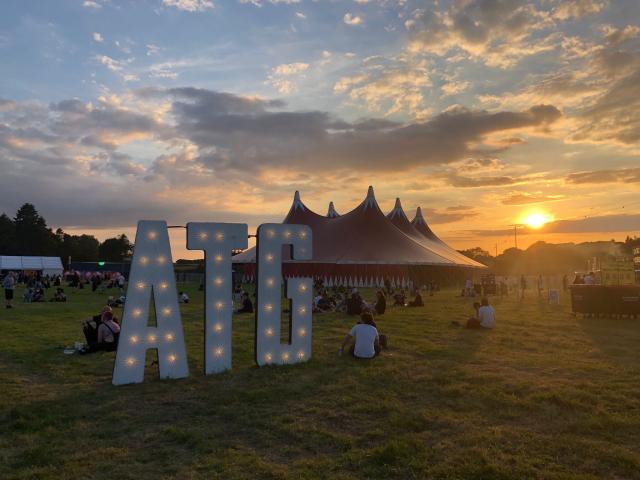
<point>399,299</point>
<point>366,341</point>
<point>184,298</point>
<point>59,296</point>
<point>381,303</point>
<point>247,306</point>
<point>354,304</point>
<point>417,302</point>
<point>104,337</point>
<point>474,322</point>
<point>486,314</point>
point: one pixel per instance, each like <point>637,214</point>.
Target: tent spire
<point>297,203</point>
<point>370,201</point>
<point>332,211</point>
<point>419,218</point>
<point>397,210</point>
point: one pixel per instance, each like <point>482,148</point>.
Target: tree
<point>81,248</point>
<point>479,255</point>
<point>7,236</point>
<point>115,249</point>
<point>31,233</point>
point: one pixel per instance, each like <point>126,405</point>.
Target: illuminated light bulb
<point>218,352</point>
<point>172,358</point>
<point>144,260</point>
<point>302,332</point>
<point>161,260</point>
<point>285,356</point>
<point>268,307</point>
<point>271,233</point>
<point>131,361</point>
<point>268,357</point>
<point>203,235</point>
<point>269,257</point>
<point>302,287</point>
<point>166,311</point>
<point>302,310</point>
<point>169,337</point>
<point>218,258</point>
<point>136,312</point>
<point>301,354</point>
<point>164,286</point>
<point>270,282</point>
<point>151,338</point>
<point>152,235</point>
<point>133,339</point>
<point>140,285</point>
<point>218,281</point>
<point>286,234</point>
<point>217,327</point>
<point>219,236</point>
<point>302,234</point>
<point>269,332</point>
<point>219,305</point>
<point>303,250</point>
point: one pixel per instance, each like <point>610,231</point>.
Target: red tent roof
<point>400,220</point>
<point>366,236</point>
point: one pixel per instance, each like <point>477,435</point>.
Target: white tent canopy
<point>48,265</point>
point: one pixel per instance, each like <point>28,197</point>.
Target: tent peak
<point>370,200</point>
<point>419,218</point>
<point>297,203</point>
<point>332,211</point>
<point>397,210</point>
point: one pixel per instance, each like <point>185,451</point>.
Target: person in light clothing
<point>366,339</point>
<point>486,314</point>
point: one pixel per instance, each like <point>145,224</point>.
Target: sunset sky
<point>483,112</point>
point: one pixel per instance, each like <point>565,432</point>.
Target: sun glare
<point>536,219</point>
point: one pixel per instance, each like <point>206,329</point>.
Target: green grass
<point>544,395</point>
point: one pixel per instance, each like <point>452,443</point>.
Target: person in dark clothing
<point>247,305</point>
<point>354,304</point>
<point>381,303</point>
<point>399,299</point>
<point>417,302</point>
<point>105,336</point>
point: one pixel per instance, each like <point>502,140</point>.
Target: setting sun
<point>536,219</point>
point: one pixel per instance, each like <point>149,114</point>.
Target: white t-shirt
<point>487,316</point>
<point>365,336</point>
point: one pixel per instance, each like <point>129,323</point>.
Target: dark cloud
<point>456,180</point>
<point>436,217</point>
<point>600,224</point>
<point>261,137</point>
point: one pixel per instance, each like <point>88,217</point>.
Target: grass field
<point>544,395</point>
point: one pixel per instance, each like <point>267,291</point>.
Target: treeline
<point>550,259</point>
<point>27,234</point>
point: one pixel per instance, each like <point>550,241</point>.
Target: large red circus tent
<point>364,247</point>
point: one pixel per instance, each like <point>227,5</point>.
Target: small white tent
<point>46,265</point>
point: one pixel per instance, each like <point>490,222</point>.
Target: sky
<point>486,113</point>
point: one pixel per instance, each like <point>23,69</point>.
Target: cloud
<point>578,8</point>
<point>499,32</point>
<point>91,4</point>
<point>351,19</point>
<point>599,224</point>
<point>621,175</point>
<point>189,5</point>
<point>525,198</point>
<point>281,77</point>
<point>97,37</point>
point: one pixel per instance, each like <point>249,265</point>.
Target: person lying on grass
<point>105,337</point>
<point>366,340</point>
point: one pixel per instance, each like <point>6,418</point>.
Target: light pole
<point>515,232</point>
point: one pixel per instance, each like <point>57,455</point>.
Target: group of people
<point>102,332</point>
<point>35,289</point>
